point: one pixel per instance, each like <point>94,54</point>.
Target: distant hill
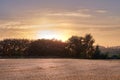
<point>111,50</point>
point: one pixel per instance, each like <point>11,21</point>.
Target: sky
<point>60,19</point>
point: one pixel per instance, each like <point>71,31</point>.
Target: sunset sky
<point>60,19</point>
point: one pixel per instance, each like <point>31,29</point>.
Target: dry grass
<point>59,69</point>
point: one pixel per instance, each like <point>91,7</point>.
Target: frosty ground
<point>59,69</point>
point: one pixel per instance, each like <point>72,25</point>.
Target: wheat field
<point>59,69</point>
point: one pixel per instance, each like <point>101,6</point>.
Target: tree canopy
<point>75,47</point>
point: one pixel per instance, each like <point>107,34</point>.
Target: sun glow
<point>51,35</point>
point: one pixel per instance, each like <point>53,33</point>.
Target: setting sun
<point>51,35</point>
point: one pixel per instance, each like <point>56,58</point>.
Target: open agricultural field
<point>59,69</point>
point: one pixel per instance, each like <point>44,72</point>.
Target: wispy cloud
<point>101,11</point>
<point>83,13</point>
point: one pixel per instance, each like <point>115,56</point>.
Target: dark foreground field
<point>59,69</point>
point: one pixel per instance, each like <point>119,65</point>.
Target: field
<point>59,69</point>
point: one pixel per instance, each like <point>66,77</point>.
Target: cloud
<point>84,10</point>
<point>101,11</point>
<point>54,19</point>
<point>84,13</point>
<point>12,25</point>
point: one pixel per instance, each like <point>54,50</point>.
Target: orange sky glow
<point>60,20</point>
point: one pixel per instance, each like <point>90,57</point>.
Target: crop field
<point>59,69</point>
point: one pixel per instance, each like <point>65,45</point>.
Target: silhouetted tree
<point>14,47</point>
<point>46,47</point>
<point>88,48</point>
<point>77,47</point>
<point>97,53</point>
<point>81,47</point>
<point>74,46</point>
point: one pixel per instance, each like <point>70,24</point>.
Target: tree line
<point>75,47</point>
